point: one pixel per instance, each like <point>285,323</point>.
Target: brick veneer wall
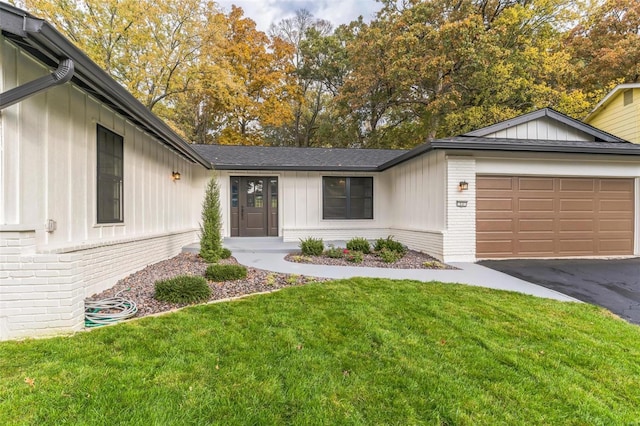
<point>43,293</point>
<point>460,235</point>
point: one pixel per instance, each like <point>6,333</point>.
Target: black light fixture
<point>463,186</point>
<point>175,176</point>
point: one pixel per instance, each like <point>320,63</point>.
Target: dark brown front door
<point>254,206</point>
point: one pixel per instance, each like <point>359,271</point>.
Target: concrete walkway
<point>269,253</point>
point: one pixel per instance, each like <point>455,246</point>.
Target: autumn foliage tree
<point>420,69</point>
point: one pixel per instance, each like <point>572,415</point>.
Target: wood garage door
<point>521,216</point>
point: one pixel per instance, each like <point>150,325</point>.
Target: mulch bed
<point>139,286</point>
<point>411,260</point>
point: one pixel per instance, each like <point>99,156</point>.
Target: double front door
<point>254,206</point>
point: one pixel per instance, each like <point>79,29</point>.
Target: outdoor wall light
<point>463,186</point>
<point>175,176</point>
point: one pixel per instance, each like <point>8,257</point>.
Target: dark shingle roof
<point>238,157</point>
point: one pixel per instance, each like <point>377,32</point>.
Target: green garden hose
<point>108,311</point>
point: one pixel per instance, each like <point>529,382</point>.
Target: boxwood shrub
<point>312,246</point>
<point>390,244</point>
<point>182,289</point>
<point>225,272</point>
<point>359,244</point>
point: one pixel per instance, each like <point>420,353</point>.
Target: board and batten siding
<point>618,119</point>
<point>300,206</point>
<point>544,128</point>
<point>50,145</point>
<point>417,209</point>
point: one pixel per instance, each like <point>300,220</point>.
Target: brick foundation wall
<point>43,293</point>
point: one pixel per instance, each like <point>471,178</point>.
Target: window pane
<point>234,192</point>
<point>273,183</point>
<point>110,175</point>
<point>348,198</point>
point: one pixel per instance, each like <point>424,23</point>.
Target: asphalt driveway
<point>612,283</point>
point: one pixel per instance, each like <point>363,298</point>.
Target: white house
<point>539,185</point>
<point>87,192</point>
<point>89,188</point>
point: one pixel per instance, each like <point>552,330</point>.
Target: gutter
<point>47,45</point>
<point>63,74</point>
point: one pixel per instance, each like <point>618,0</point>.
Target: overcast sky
<point>265,12</point>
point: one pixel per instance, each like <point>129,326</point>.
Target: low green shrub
<point>312,246</point>
<point>225,272</point>
<point>354,256</point>
<point>182,289</point>
<point>334,252</point>
<point>225,253</point>
<point>391,244</point>
<point>359,244</point>
<point>389,256</point>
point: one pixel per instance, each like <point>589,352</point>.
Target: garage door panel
<point>536,184</point>
<point>577,185</point>
<point>493,183</point>
<point>535,205</point>
<point>535,225</point>
<point>577,246</point>
<point>495,204</point>
<point>554,217</point>
<point>580,205</point>
<point>624,186</point>
<point>570,225</point>
<point>495,225</point>
<point>617,225</point>
<point>497,248</point>
<point>621,206</point>
<point>615,246</point>
<point>536,246</point>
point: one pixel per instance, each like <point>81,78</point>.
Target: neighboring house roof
<point>45,43</point>
<point>620,88</point>
<point>242,157</point>
<point>598,134</point>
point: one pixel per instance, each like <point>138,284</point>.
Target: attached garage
<point>540,216</point>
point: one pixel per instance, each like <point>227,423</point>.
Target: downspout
<point>17,94</point>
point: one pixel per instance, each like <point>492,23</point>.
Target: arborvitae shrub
<point>225,253</point>
<point>210,235</point>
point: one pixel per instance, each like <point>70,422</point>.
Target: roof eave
<point>483,146</point>
<point>273,167</point>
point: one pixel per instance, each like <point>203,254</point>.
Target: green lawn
<point>358,351</point>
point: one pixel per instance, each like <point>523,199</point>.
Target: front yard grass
<point>359,351</point>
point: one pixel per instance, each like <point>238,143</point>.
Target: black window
<point>110,148</point>
<point>347,197</point>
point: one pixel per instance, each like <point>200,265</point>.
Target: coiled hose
<point>108,311</point>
